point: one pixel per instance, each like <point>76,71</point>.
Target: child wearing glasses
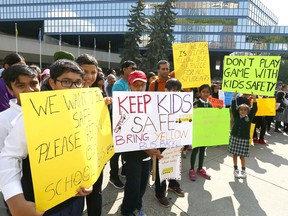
<point>15,174</point>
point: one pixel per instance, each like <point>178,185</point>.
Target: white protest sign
<point>170,164</point>
<point>145,120</point>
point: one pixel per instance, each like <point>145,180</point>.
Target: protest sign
<point>252,128</point>
<point>266,107</point>
<point>170,164</point>
<point>65,131</point>
<point>209,121</point>
<point>216,103</point>
<point>192,64</point>
<point>228,98</point>
<point>145,120</point>
<point>251,74</point>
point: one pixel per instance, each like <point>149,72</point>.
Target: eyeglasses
<point>69,83</point>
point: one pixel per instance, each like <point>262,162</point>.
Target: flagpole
<point>40,42</point>
<point>79,45</point>
<point>16,37</point>
<point>60,42</point>
<point>109,55</point>
<point>94,50</point>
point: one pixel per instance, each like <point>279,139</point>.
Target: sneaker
<point>122,174</point>
<point>177,190</point>
<point>255,140</point>
<point>277,131</point>
<point>236,173</point>
<point>243,174</point>
<point>203,173</point>
<point>261,141</point>
<point>141,213</point>
<point>116,182</point>
<point>192,175</point>
<point>184,154</point>
<point>163,201</point>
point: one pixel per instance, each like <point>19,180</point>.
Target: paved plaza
<point>264,192</point>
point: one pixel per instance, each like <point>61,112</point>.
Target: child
<point>172,85</point>
<point>240,133</point>
<point>17,190</point>
<point>137,162</point>
<point>279,111</point>
<point>204,93</point>
<point>93,200</point>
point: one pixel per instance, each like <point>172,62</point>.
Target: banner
<point>170,164</point>
<point>252,128</point>
<point>266,107</point>
<point>69,141</point>
<point>211,127</point>
<point>148,120</point>
<point>192,64</point>
<point>251,74</point>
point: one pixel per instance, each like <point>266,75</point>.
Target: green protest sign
<point>251,74</point>
<point>211,127</point>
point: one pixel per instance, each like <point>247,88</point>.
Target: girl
<point>240,133</point>
<point>204,93</point>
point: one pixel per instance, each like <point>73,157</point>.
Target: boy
<point>171,85</point>
<point>137,162</point>
<point>17,190</point>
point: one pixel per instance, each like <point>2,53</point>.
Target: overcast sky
<point>279,8</point>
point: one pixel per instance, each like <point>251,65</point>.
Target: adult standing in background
<point>120,85</point>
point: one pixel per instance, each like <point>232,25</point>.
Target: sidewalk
<point>264,192</point>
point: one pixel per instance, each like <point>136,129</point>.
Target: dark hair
<point>127,63</point>
<point>242,100</point>
<point>149,75</point>
<point>12,73</point>
<point>173,85</point>
<point>100,76</point>
<point>110,71</point>
<point>161,62</point>
<point>13,58</point>
<point>62,66</point>
<point>204,86</point>
<point>86,59</point>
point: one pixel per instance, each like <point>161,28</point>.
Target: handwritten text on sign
<point>191,63</point>
<point>170,164</point>
<point>145,120</point>
<point>251,74</point>
<point>63,130</point>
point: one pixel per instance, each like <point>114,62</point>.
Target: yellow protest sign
<point>266,107</point>
<point>69,140</point>
<point>251,74</point>
<point>191,64</point>
<point>209,121</point>
<point>252,128</point>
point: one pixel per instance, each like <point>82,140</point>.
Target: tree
<point>161,26</point>
<point>136,26</point>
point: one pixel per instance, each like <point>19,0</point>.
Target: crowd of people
<point>84,72</point>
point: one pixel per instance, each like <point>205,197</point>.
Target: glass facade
<point>226,25</point>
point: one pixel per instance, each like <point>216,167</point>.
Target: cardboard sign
<point>208,121</point>
<point>228,98</point>
<point>192,64</point>
<point>69,141</point>
<point>266,107</point>
<point>145,120</point>
<point>170,164</point>
<point>251,74</point>
<point>216,103</point>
